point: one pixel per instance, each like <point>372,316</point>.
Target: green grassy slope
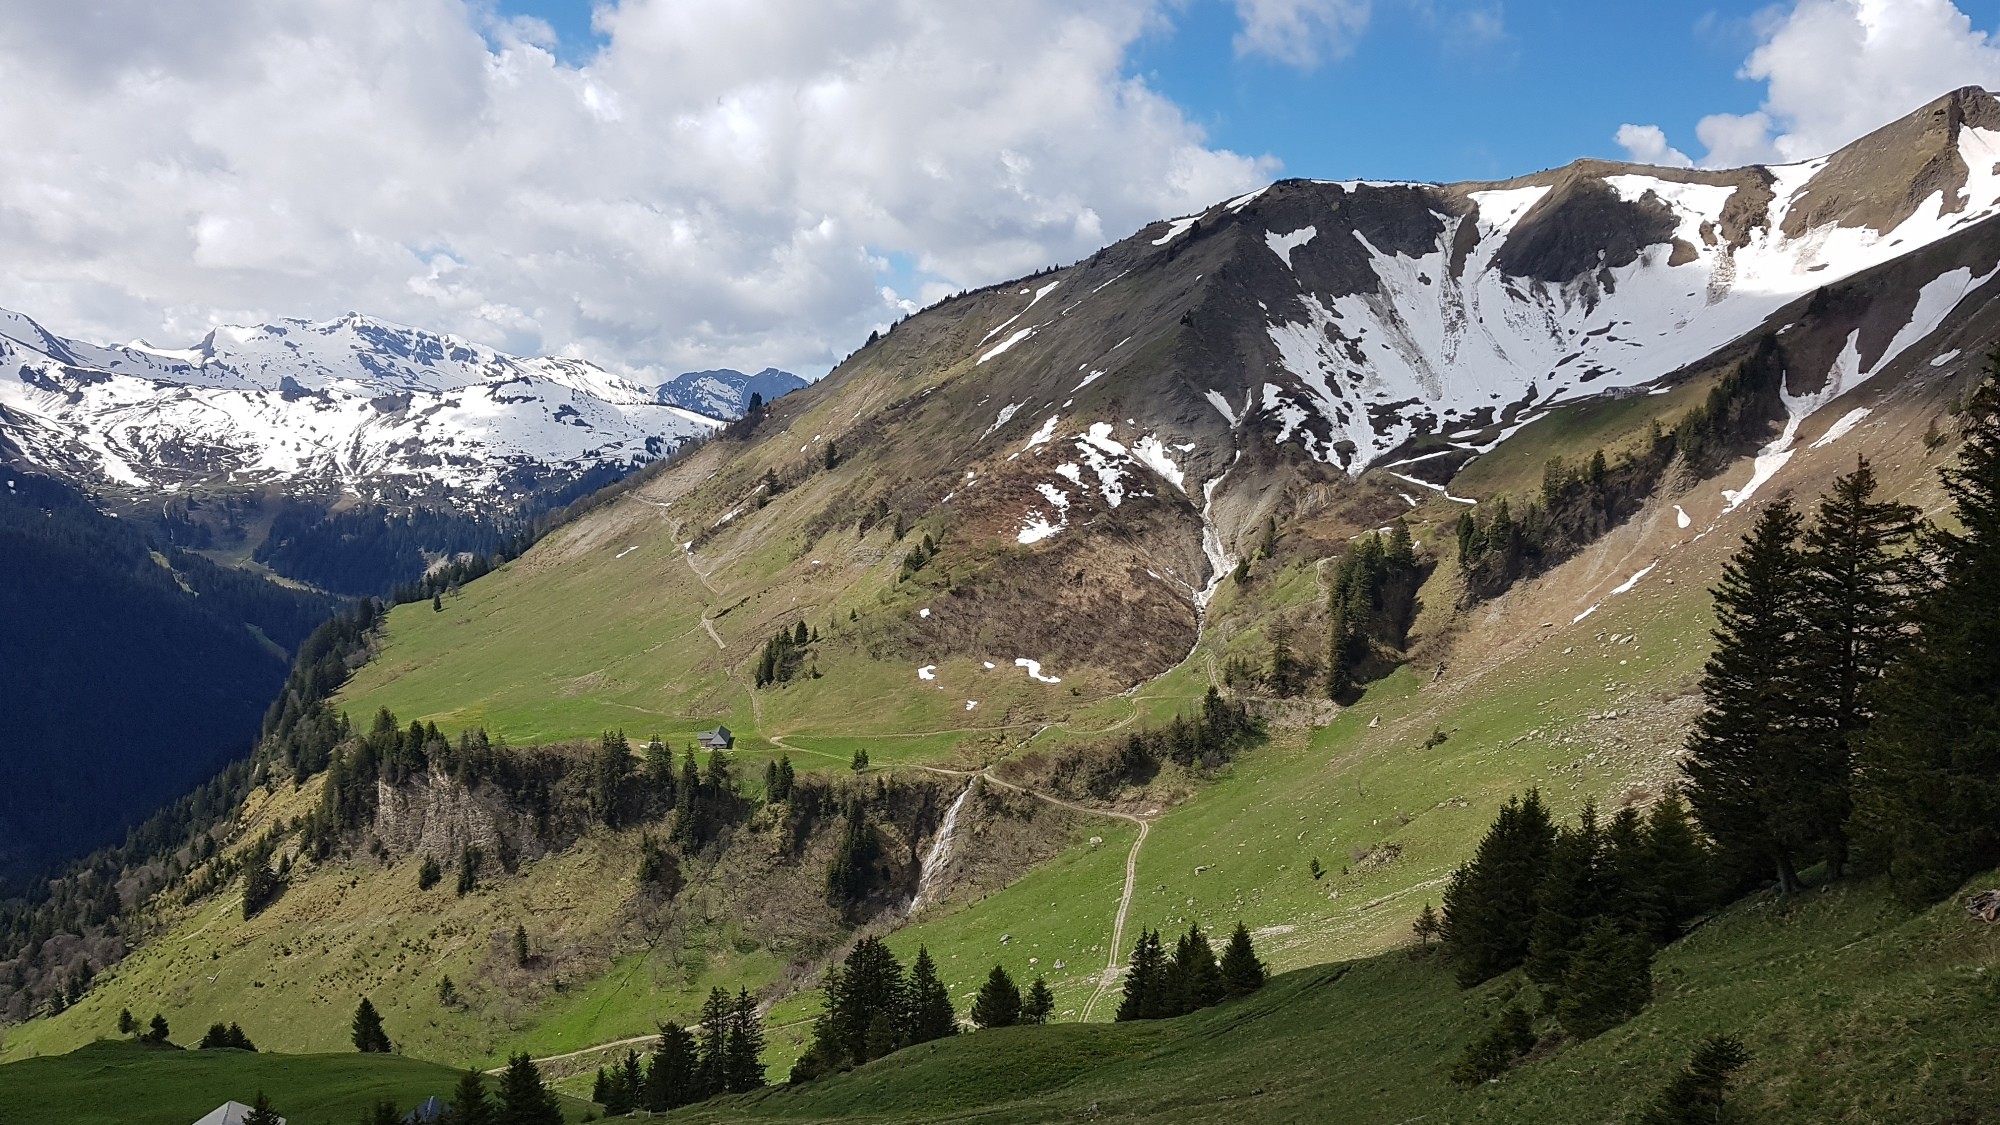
<point>120,1083</point>
<point>1854,1010</point>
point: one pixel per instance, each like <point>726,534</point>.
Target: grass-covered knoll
<point>122,1083</point>
<point>1853,1011</point>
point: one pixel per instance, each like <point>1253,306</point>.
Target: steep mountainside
<point>350,406</point>
<point>725,393</point>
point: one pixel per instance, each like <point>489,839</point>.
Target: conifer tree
<point>1929,792</point>
<point>1748,747</point>
<point>1242,973</point>
<point>1573,895</point>
<point>744,1069</point>
<point>369,1037</point>
<point>157,1031</point>
<point>469,1105</point>
<point>1678,868</point>
<point>523,1098</point>
<point>930,1014</point>
<point>999,1001</point>
<point>1610,978</point>
<point>718,1014</point>
<point>1197,979</point>
<point>261,1112</point>
<point>1488,1057</point>
<point>1489,905</point>
<point>1039,1003</point>
<point>670,1076</point>
<point>1145,979</point>
<point>521,955</point>
<point>217,1036</point>
<point>1698,1095</point>
<point>126,1024</point>
<point>1860,584</point>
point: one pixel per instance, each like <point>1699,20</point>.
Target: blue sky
<point>1432,89</point>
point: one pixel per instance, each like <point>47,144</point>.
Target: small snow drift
<point>1034,668</point>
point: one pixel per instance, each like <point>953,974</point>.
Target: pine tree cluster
<point>722,1055</point>
<point>1580,908</point>
<point>1370,601</point>
<point>1851,706</point>
<point>230,1037</point>
<point>1159,985</point>
<point>873,1007</point>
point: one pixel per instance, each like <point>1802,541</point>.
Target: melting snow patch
<point>1841,428</point>
<point>1625,587</point>
<point>1221,405</point>
<point>626,551</point>
<point>1242,201</point>
<point>1945,358</point>
<point>1433,487</point>
<point>989,665</point>
<point>1586,613</point>
<point>1681,517</point>
<point>1150,452</point>
<point>1408,499</point>
<point>1769,460</point>
<point>927,672</point>
<point>1177,228</point>
<point>1070,472</point>
<point>971,703</point>
<point>1088,380</point>
<point>1009,342</point>
<point>1034,668</point>
<point>1037,527</point>
<point>1006,415</point>
<point>924,612</point>
<point>1047,431</point>
<point>1283,244</point>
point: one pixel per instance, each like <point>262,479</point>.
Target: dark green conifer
<point>1610,979</point>
<point>469,1104</point>
<point>1698,1095</point>
<point>1490,903</point>
<point>1242,973</point>
<point>523,1098</point>
<point>261,1112</point>
<point>1574,894</point>
<point>521,952</point>
<point>157,1031</point>
<point>999,1001</point>
<point>1748,749</point>
<point>1035,1008</point>
<point>670,1076</point>
<point>1929,793</point>
<point>718,1015</point>
<point>1197,979</point>
<point>930,1014</point>
<point>1678,867</point>
<point>744,1068</point>
<point>1145,979</point>
<point>369,1037</point>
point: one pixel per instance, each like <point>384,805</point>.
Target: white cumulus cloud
<point>724,182</point>
<point>1834,70</point>
<point>1647,144</point>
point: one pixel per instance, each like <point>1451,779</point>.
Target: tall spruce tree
<point>368,1034</point>
<point>1039,1002</point>
<point>1490,903</point>
<point>1145,979</point>
<point>469,1104</point>
<point>718,1015</point>
<point>744,1069</point>
<point>1242,973</point>
<point>1929,788</point>
<point>1861,580</point>
<point>1749,745</point>
<point>1573,895</point>
<point>928,1011</point>
<point>1678,870</point>
<point>523,1098</point>
<point>1196,978</point>
<point>1698,1095</point>
<point>261,1112</point>
<point>999,1001</point>
<point>670,1075</point>
<point>1610,978</point>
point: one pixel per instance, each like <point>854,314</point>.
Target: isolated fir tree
<point>670,1075</point>
<point>1929,786</point>
<point>1698,1095</point>
<point>216,1036</point>
<point>523,1098</point>
<point>1748,750</point>
<point>1145,979</point>
<point>521,952</point>
<point>126,1024</point>
<point>1035,1008</point>
<point>1861,581</point>
<point>261,1112</point>
<point>1574,894</point>
<point>999,1001</point>
<point>469,1104</point>
<point>743,1068</point>
<point>1489,1056</point>
<point>1242,973</point>
<point>157,1031</point>
<point>1610,979</point>
<point>369,1037</point>
<point>929,1014</point>
<point>1490,902</point>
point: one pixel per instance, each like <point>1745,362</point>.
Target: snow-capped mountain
<point>1358,319</point>
<point>353,405</point>
<point>724,392</point>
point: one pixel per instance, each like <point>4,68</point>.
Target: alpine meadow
<point>1357,651</point>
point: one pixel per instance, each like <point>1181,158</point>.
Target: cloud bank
<point>1833,71</point>
<point>725,182</point>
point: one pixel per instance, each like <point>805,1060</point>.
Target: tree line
<point>723,1054</point>
<point>1159,985</point>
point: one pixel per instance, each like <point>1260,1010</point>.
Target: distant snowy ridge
<point>725,393</point>
<point>353,404</point>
